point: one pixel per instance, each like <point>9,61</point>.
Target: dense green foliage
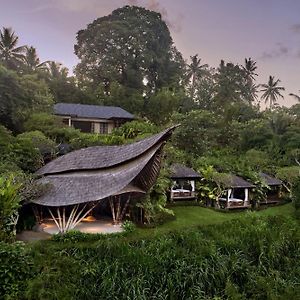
<point>9,205</point>
<point>296,196</point>
<point>16,268</point>
<point>249,258</point>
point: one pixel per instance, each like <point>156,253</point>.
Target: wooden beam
<point>64,219</point>
<point>76,218</point>
<point>112,209</point>
<point>54,219</point>
<point>118,208</point>
<point>125,207</point>
<point>84,215</point>
<point>59,219</point>
<point>71,217</point>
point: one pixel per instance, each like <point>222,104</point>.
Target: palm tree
<point>195,70</point>
<point>295,96</point>
<point>32,61</point>
<point>56,70</point>
<point>10,54</point>
<point>271,91</point>
<point>249,68</point>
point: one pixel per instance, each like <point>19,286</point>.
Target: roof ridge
<point>98,157</point>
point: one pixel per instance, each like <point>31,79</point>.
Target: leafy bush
<point>84,140</point>
<point>52,127</point>
<point>16,268</point>
<point>296,196</point>
<point>73,236</point>
<point>154,203</point>
<point>40,141</point>
<point>9,205</point>
<point>131,130</point>
<point>288,175</point>
<point>128,226</point>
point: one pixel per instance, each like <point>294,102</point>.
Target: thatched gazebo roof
<point>270,181</point>
<point>179,171</point>
<point>94,173</point>
<point>239,182</point>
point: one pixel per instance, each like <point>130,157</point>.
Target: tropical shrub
<point>16,268</point>
<point>9,205</point>
<point>40,141</point>
<point>27,156</point>
<point>128,226</point>
<point>153,204</point>
<point>131,130</point>
<point>212,185</point>
<point>296,196</point>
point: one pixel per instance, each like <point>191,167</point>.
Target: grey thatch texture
<point>181,172</point>
<point>101,180</point>
<point>271,181</point>
<point>238,182</point>
<point>91,111</point>
<point>101,156</point>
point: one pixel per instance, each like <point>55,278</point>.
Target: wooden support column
<point>118,208</point>
<point>78,220</point>
<point>59,220</point>
<point>37,214</point>
<point>112,207</point>
<point>54,219</point>
<point>125,208</point>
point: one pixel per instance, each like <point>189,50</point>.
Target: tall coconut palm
<point>195,70</point>
<point>271,91</point>
<point>32,61</point>
<point>249,68</point>
<point>295,96</point>
<point>56,70</point>
<point>10,54</point>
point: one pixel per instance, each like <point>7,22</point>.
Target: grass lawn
<point>188,216</point>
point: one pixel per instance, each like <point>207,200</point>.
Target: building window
<point>104,128</point>
<point>83,126</point>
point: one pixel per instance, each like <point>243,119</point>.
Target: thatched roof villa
<point>81,179</point>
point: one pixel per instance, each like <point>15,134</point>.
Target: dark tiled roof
<point>239,182</point>
<point>101,156</point>
<point>180,171</point>
<point>81,177</point>
<point>270,180</point>
<point>91,111</point>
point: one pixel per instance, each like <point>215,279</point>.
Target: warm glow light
<point>89,219</point>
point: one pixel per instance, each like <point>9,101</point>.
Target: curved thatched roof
<point>182,172</point>
<point>99,157</point>
<point>77,178</point>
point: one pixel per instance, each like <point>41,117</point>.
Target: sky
<point>268,31</point>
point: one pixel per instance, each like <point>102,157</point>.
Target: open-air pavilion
<point>236,195</point>
<point>184,179</point>
<point>80,180</point>
<point>275,188</point>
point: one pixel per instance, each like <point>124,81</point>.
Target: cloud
<point>280,51</point>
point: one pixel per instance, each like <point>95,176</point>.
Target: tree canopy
<point>133,47</point>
